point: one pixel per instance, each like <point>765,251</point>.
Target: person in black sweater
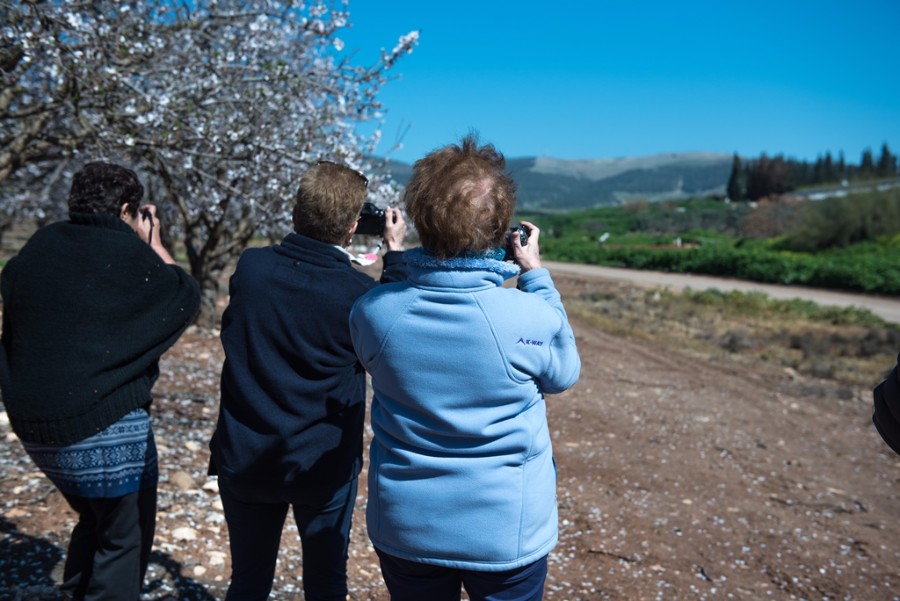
<point>886,415</point>
<point>290,428</point>
<point>89,306</point>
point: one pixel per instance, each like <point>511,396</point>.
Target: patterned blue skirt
<point>112,463</point>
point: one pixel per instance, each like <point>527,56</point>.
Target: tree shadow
<point>172,583</point>
<point>25,561</point>
<point>30,567</point>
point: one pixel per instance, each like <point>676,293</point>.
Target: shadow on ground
<point>30,568</point>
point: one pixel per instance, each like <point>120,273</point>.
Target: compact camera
<point>371,221</point>
<point>523,238</point>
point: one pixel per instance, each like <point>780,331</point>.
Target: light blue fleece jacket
<point>461,470</point>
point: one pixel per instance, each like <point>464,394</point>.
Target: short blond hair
<point>328,201</point>
<point>461,199</point>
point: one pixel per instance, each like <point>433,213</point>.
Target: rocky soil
<point>680,477</point>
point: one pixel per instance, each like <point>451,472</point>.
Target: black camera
<point>523,238</point>
<point>371,221</point>
<point>146,214</point>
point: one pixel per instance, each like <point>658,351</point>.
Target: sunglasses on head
<point>364,179</point>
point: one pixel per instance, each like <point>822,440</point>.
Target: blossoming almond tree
<point>221,104</point>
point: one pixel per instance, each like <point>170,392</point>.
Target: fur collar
<point>491,260</point>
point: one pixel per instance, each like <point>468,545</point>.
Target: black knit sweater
<point>88,309</point>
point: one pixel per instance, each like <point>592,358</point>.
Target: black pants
<point>110,546</point>
<point>255,524</point>
<point>412,581</point>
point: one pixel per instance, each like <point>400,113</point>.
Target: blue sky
<point>599,79</point>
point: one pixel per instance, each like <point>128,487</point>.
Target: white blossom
<point>406,42</point>
<point>74,20</point>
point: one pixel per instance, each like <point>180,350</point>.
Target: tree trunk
<point>209,317</point>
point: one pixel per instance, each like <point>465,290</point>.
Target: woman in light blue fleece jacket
<point>462,483</point>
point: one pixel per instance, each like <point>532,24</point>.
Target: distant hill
<point>558,185</point>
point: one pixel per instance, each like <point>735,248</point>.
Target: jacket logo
<point>528,342</point>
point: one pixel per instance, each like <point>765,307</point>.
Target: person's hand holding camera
<point>394,229</point>
<point>527,257</point>
<point>147,228</point>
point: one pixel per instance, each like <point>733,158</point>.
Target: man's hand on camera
<point>394,229</point>
<point>527,257</point>
<point>149,224</point>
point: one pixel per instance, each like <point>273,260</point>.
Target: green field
<point>850,243</point>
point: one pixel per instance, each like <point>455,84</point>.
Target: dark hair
<point>102,187</point>
<point>328,201</point>
<point>461,199</point>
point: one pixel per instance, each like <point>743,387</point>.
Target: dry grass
<point>847,345</point>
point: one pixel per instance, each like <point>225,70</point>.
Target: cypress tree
<point>887,162</point>
<point>735,188</point>
<point>866,163</point>
<point>828,168</point>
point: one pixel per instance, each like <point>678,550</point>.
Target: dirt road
<point>884,307</point>
<point>688,479</point>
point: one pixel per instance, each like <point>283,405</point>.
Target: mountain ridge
<point>547,183</point>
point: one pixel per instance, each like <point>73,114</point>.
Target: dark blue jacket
<point>293,392</point>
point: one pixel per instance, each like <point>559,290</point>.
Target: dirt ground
<point>680,477</point>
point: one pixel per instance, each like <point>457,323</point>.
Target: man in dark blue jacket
<point>290,427</point>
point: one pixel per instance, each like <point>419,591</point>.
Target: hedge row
<point>877,273</point>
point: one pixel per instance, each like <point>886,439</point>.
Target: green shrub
<point>873,271</point>
<point>842,222</point>
<point>850,244</point>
